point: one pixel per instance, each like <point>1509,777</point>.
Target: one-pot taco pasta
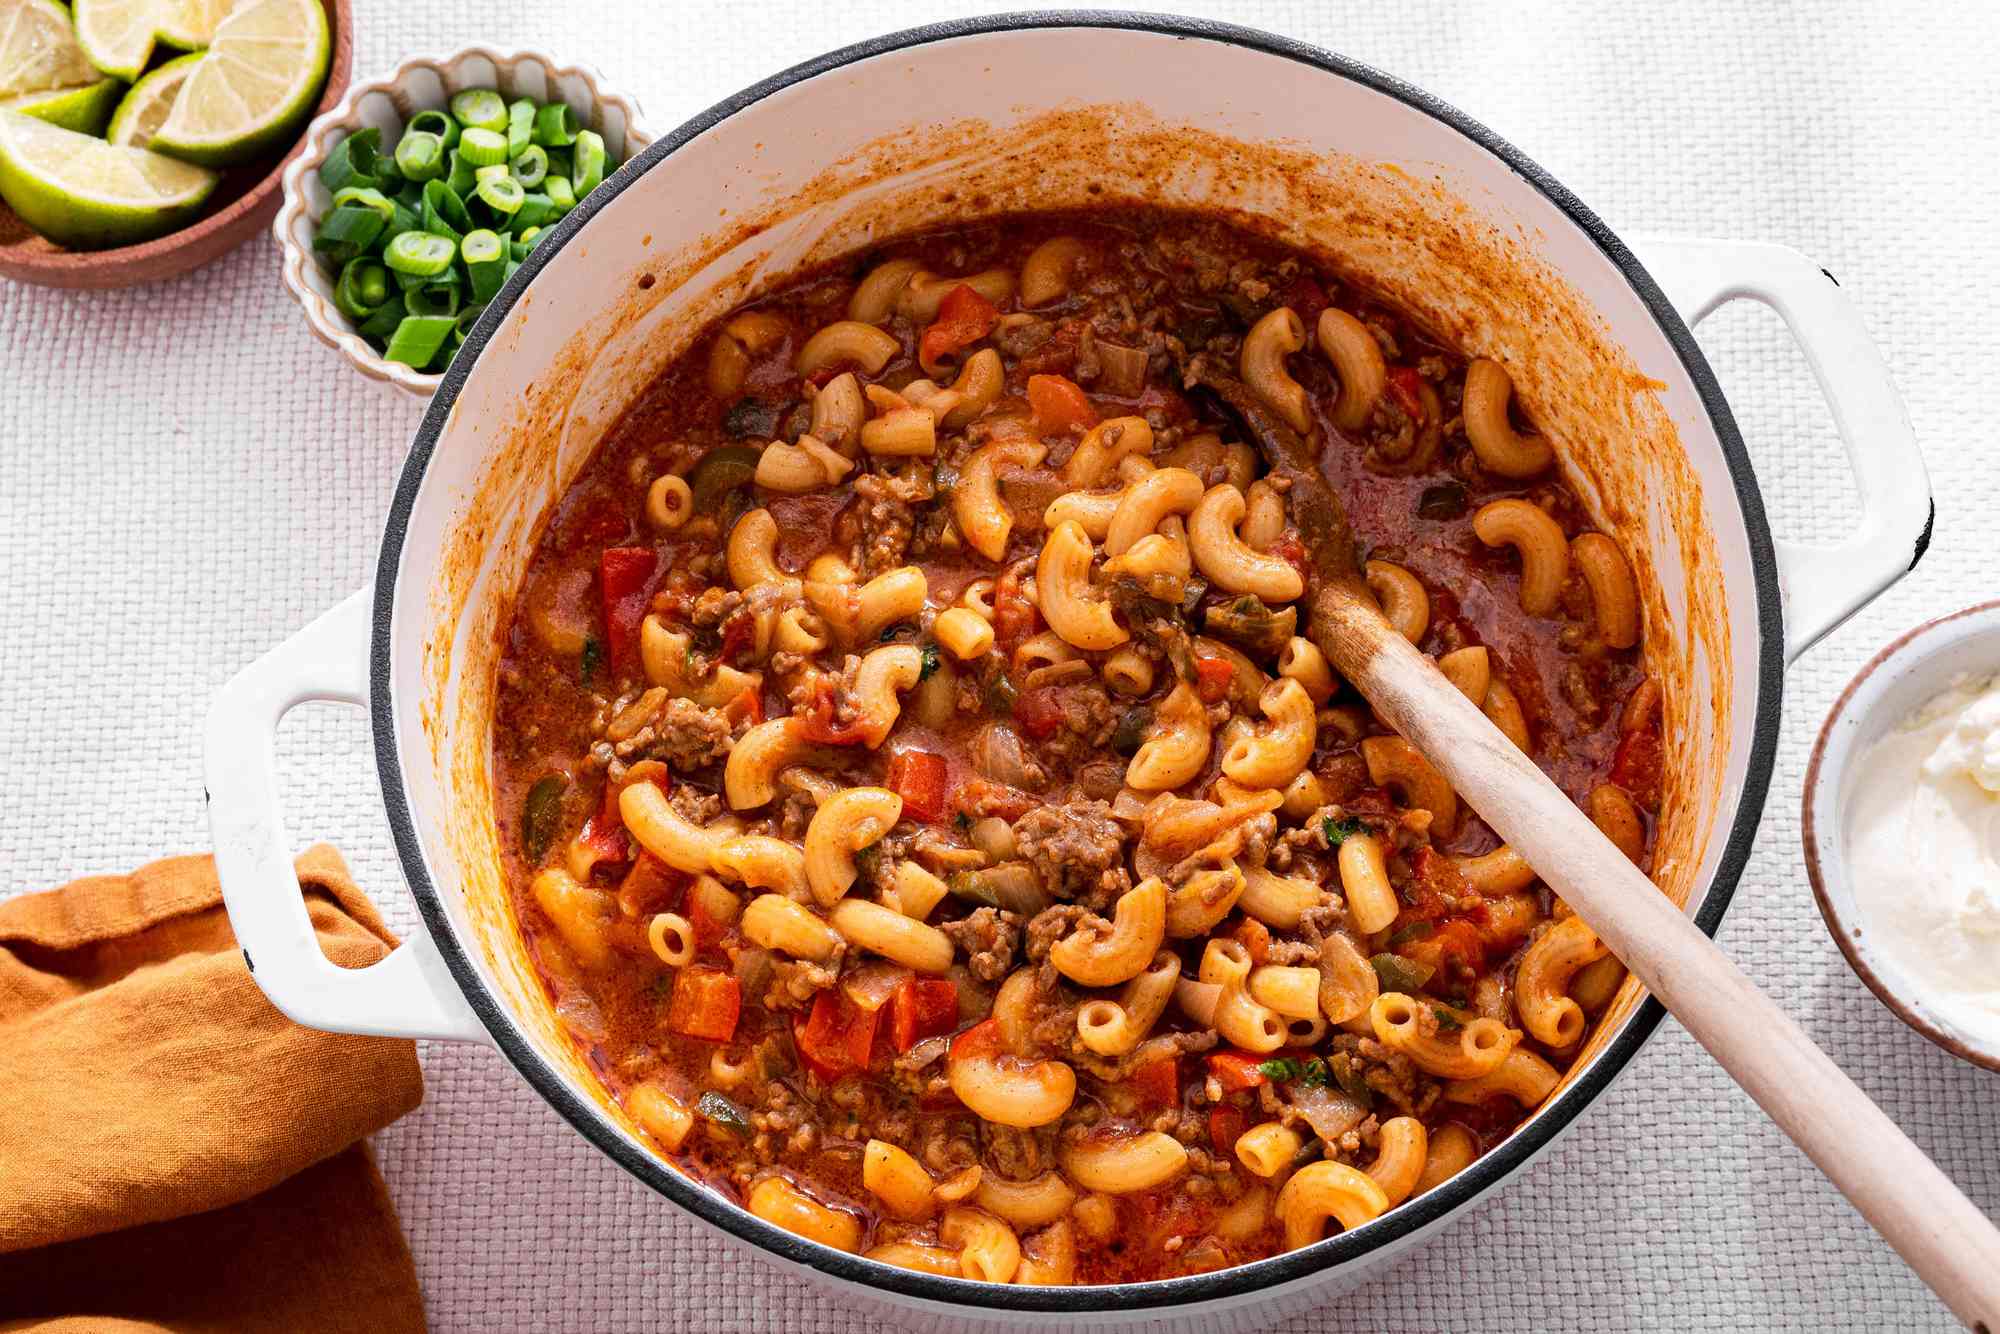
<point>930,820</point>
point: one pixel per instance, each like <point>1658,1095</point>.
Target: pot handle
<point>1823,586</point>
<point>409,993</point>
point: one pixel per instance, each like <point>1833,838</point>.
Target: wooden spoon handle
<point>1949,1242</point>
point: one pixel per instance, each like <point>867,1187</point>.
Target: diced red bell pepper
<point>982,1039</point>
<point>1406,385</point>
<point>1059,405</point>
<point>964,317</point>
<point>838,1037</point>
<point>918,777</point>
<point>1039,712</point>
<point>923,1007</point>
<point>1235,1070</point>
<point>1212,678</point>
<point>624,576</point>
<point>1226,1124</point>
<point>1158,1083</point>
<point>977,798</point>
<point>1014,612</point>
<point>1291,550</point>
<point>737,634</point>
<point>705,1004</point>
<point>651,886</point>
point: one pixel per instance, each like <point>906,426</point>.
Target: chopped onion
<point>1328,1111</point>
<point>872,984</point>
<point>1012,886</point>
<point>994,837</point>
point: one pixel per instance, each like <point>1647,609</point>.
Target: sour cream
<point>1924,852</point>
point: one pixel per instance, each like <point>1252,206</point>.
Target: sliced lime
<point>144,110</point>
<point>118,35</point>
<point>86,194</point>
<point>38,49</point>
<point>83,109</point>
<point>253,87</point>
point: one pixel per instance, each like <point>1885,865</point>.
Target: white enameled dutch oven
<point>1052,111</point>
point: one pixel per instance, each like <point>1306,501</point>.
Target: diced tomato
<point>1158,1083</point>
<point>839,1036</point>
<point>1212,678</point>
<point>736,636</point>
<point>1226,1124</point>
<point>1059,405</point>
<point>749,704</point>
<point>1039,712</point>
<point>707,931</point>
<point>817,723</point>
<point>923,1007</point>
<point>1636,767</point>
<point>964,317</point>
<point>1435,886</point>
<point>982,1039</point>
<point>1235,1070</point>
<point>1307,299</point>
<point>1014,613</point>
<point>705,1004</point>
<point>1405,383</point>
<point>979,798</point>
<point>1458,941</point>
<point>651,886</point>
<point>1256,938</point>
<point>918,777</point>
<point>624,574</point>
<point>1290,549</point>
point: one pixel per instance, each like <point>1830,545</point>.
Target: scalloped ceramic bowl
<point>419,84</point>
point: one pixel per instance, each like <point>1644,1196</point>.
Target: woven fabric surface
<point>188,477</point>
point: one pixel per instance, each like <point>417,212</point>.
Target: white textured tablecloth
<point>187,477</point>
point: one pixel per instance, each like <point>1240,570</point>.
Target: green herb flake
<point>592,660</point>
<point>541,816</point>
<point>1311,1073</point>
<point>720,1111</point>
<point>1339,830</point>
<point>1447,1021</point>
<point>963,821</point>
<point>931,662</point>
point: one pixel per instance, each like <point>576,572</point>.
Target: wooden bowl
<point>242,205</point>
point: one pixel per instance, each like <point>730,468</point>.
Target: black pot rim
<point>1334,1252</point>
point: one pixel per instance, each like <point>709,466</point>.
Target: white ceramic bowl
<point>1057,110</point>
<point>419,84</point>
<point>1896,682</point>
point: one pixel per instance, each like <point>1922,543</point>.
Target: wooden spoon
<point>1901,1192</point>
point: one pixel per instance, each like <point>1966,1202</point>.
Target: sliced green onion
<point>418,338</point>
<point>560,161</point>
<point>463,324</point>
<point>388,176</point>
<point>352,161</point>
<point>411,196</point>
<point>347,232</point>
<point>497,170</point>
<point>520,126</point>
<point>460,176</point>
<point>434,122</point>
<point>383,321</point>
<point>555,125</point>
<point>485,254</point>
<point>482,148</point>
<point>366,196</point>
<point>403,219</point>
<point>587,167</point>
<point>530,165</point>
<point>439,298</point>
<point>517,250</point>
<point>420,156</point>
<point>420,254</point>
<point>560,192</point>
<point>535,210</point>
<point>479,109</point>
<point>502,194</point>
<point>363,287</point>
<point>444,211</point>
<point>530,236</point>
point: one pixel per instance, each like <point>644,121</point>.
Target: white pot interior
<point>1059,118</point>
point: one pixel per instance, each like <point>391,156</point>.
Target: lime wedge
<point>144,110</point>
<point>86,194</point>
<point>38,49</point>
<point>83,109</point>
<point>118,35</point>
<point>254,85</point>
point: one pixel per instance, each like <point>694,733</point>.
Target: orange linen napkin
<point>175,1155</point>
